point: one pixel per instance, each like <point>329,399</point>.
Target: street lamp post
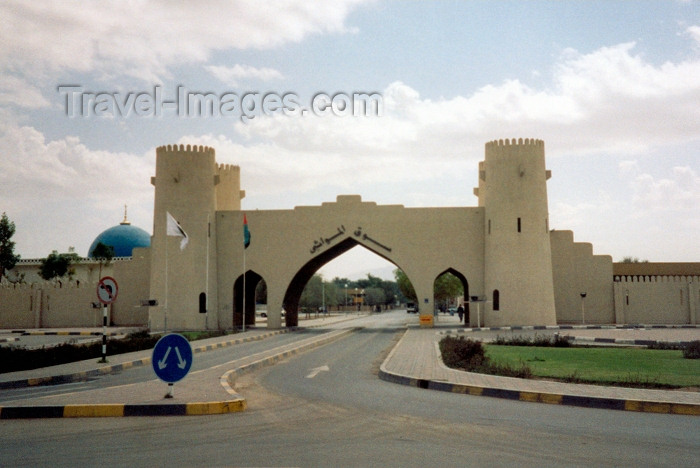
<point>583,308</point>
<point>346,299</point>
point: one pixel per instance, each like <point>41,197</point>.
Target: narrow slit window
<point>202,303</point>
<point>496,300</point>
<point>519,225</point>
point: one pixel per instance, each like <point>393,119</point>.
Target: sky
<point>612,87</point>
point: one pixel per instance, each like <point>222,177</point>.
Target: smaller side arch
<point>251,281</point>
<point>465,288</point>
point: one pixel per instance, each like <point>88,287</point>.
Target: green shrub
<point>543,341</point>
<point>692,350</point>
<point>16,358</point>
<point>506,370</point>
<point>459,353</point>
<point>469,355</point>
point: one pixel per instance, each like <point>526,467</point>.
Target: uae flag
<point>174,229</point>
<point>246,232</point>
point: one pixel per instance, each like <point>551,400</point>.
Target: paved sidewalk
<point>208,391</point>
<point>416,361</point>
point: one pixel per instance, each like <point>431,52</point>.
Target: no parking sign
<point>107,290</point>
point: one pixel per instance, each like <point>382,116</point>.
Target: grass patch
<point>201,335</point>
<point>609,366</point>
<point>469,355</point>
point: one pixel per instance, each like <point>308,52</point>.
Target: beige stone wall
<point>63,303</point>
<point>133,278</point>
<point>70,306</point>
<point>190,186</point>
<point>657,299</point>
<point>85,270</point>
<point>17,305</point>
<point>289,244</point>
<point>518,265</point>
<point>503,244</point>
<point>49,305</point>
<point>575,270</point>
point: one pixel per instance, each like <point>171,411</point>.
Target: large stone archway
<point>298,282</point>
<point>502,245</point>
<point>288,246</point>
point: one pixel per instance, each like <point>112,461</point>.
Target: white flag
<point>174,229</point>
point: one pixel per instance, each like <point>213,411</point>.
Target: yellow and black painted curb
<point>119,410</point>
<point>66,333</point>
<point>540,397</point>
<point>236,404</point>
<point>550,398</point>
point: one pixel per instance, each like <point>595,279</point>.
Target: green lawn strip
<point>603,365</point>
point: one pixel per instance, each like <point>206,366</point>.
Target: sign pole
<point>165,309</point>
<point>171,360</point>
<point>104,333</point>
<point>107,290</point>
<point>244,288</point>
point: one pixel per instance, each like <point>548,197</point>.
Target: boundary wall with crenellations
<point>668,299</point>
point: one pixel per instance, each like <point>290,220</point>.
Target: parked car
<point>411,308</point>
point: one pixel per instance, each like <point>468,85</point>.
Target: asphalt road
<point>201,361</point>
<point>327,407</point>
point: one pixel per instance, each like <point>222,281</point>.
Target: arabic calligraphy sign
<point>321,241</point>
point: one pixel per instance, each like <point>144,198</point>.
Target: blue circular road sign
<point>172,358</point>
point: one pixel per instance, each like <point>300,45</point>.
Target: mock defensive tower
<point>183,280</point>
<point>517,252</point>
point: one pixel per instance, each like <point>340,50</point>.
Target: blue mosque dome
<point>123,238</point>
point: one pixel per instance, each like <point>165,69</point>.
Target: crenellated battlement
<point>514,142</point>
<point>185,148</point>
<point>228,169</point>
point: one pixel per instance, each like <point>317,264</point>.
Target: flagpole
<point>165,320</point>
<point>243,288</point>
<point>206,286</point>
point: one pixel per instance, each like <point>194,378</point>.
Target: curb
<point>116,368</point>
<point>85,375</point>
<point>65,333</point>
<point>538,397</point>
<point>118,410</point>
<point>585,339</point>
<point>237,404</point>
<point>569,327</point>
<point>550,398</point>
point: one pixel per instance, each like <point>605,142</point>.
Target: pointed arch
<point>251,281</point>
<point>465,287</point>
<point>296,285</point>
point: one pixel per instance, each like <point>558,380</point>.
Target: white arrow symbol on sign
<point>161,364</point>
<point>181,364</point>
<point>314,372</point>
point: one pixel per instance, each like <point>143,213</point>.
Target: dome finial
<point>125,221</point>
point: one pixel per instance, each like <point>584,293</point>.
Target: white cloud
<point>143,39</point>
<point>609,101</point>
<point>18,92</point>
<point>232,76</point>
<point>694,32</point>
<point>63,188</point>
<point>678,193</point>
